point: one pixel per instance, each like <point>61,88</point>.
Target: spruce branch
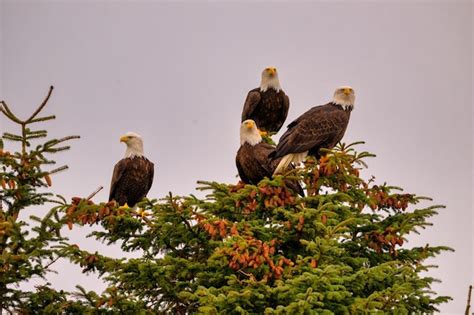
<point>54,142</point>
<point>12,137</point>
<point>59,169</point>
<point>41,119</point>
<point>42,105</point>
<point>7,112</point>
<point>59,149</point>
<point>36,136</point>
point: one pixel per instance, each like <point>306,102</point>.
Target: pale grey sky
<point>178,74</point>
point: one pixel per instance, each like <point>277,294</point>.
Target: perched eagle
<point>252,160</point>
<point>267,105</point>
<point>133,175</point>
<point>320,127</point>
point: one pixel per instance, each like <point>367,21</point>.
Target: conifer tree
<point>27,247</point>
<point>242,249</point>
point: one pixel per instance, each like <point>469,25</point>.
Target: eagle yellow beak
<point>272,71</point>
<point>124,139</point>
<point>347,91</point>
<point>249,124</point>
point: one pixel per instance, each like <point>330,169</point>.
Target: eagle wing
<point>253,98</point>
<point>283,113</point>
<point>263,151</point>
<point>253,162</point>
<point>241,171</point>
<point>151,174</point>
<point>318,126</point>
<point>117,174</point>
<point>286,105</point>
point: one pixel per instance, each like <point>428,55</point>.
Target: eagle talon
<point>140,212</point>
<point>263,133</point>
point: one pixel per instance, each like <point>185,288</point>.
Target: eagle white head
<point>134,144</point>
<point>249,133</point>
<point>270,80</point>
<point>344,96</point>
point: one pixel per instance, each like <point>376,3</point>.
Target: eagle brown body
<point>320,127</point>
<point>268,109</point>
<point>253,164</point>
<point>131,180</point>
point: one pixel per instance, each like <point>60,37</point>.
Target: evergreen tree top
<point>242,249</point>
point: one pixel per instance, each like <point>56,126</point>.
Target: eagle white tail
<point>288,159</point>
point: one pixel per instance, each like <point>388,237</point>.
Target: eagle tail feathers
<point>288,159</point>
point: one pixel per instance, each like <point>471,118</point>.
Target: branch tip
<point>43,104</point>
<point>59,169</point>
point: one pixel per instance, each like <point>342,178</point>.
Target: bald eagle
<point>252,160</point>
<point>267,105</point>
<point>133,175</point>
<point>320,127</point>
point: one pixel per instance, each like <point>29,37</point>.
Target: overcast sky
<point>178,74</point>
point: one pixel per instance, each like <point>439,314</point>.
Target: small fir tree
<point>26,250</point>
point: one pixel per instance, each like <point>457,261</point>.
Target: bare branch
<point>52,262</point>
<point>41,106</point>
<point>95,192</point>
<point>468,307</point>
<point>251,276</point>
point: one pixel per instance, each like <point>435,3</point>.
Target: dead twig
<point>94,193</point>
<point>468,307</point>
